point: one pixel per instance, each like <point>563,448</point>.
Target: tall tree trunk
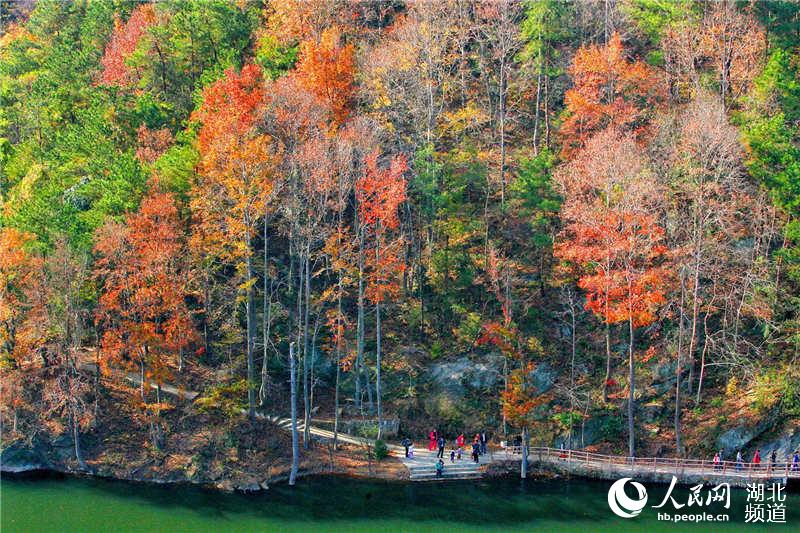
<point>702,359</point>
<point>206,312</point>
<point>608,362</point>
<point>605,316</point>
<point>312,362</point>
<point>523,464</point>
<point>251,335</point>
<point>306,365</point>
<point>266,318</point>
<point>679,371</point>
<point>141,379</point>
<point>695,312</point>
<point>572,366</point>
<point>360,322</point>
<point>293,396</point>
<point>378,367</point>
<point>697,236</point>
<point>631,385</point>
<point>546,114</point>
<point>76,439</point>
<point>338,365</point>
<point>538,105</point>
<point>502,135</point>
<point>505,387</point>
<point>368,386</point>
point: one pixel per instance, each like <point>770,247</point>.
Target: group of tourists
<point>438,443</point>
<point>756,462</point>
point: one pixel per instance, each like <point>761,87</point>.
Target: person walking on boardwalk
<point>439,468</point>
<point>484,442</point>
<point>476,451</point>
<point>717,461</point>
<point>442,444</point>
<point>757,459</point>
<point>432,440</point>
<point>406,443</point>
<point>453,455</point>
<point>739,460</point>
<point>460,440</point>
<point>773,458</point>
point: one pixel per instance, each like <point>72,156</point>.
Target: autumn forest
<point>577,221</point>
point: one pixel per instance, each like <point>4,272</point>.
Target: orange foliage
<point>501,336</point>
<point>326,69</point>
<point>152,143</point>
<point>142,309</point>
<point>291,21</point>
<point>124,40</point>
<point>19,286</point>
<point>521,397</point>
<point>611,232</point>
<point>728,40</point>
<point>236,163</point>
<point>618,251</point>
<point>380,192</point>
<point>608,90</point>
<point>229,108</point>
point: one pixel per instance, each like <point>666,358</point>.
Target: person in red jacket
<point>432,438</point>
<point>460,441</point>
<point>757,458</point>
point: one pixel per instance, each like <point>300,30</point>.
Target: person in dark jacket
<point>484,442</point>
<point>476,452</point>
<point>441,444</point>
<point>439,468</point>
<point>406,443</point>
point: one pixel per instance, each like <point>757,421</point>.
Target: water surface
<point>335,504</point>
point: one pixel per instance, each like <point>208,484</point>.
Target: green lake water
<point>334,504</point>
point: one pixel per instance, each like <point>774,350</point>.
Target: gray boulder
<point>454,376</point>
<point>18,457</point>
<point>543,377</point>
<point>249,486</point>
<point>740,437</point>
<point>784,444</point>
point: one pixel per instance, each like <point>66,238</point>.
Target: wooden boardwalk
<point>655,468</point>
<point>576,462</point>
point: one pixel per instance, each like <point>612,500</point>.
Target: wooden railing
<point>666,465</point>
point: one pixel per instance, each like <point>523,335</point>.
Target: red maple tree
<point>609,90</point>
<point>142,310</point>
<point>326,69</point>
<point>380,192</point>
<point>123,43</point>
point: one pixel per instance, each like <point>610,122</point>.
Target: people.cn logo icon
<point>621,504</point>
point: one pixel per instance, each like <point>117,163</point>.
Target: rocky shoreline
<point>18,459</point>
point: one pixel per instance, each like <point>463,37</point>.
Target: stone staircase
<point>422,467</point>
